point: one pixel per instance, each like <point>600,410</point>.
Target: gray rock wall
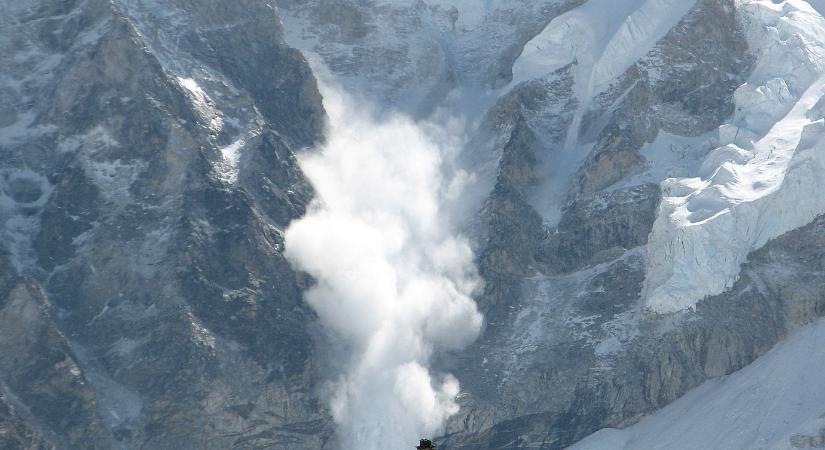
<point>156,309</point>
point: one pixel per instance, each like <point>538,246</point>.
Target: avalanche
<point>767,405</point>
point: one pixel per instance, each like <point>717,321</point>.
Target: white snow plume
<point>393,280</point>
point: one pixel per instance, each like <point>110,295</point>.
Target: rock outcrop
<point>150,154</point>
<point>148,169</point>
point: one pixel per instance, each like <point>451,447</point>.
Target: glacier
<point>766,176</point>
<point>731,198</point>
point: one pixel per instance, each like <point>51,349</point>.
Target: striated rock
<point>166,171</point>
<point>46,400</point>
<point>600,228</point>
<point>622,364</point>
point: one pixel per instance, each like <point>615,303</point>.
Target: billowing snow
<point>772,405</point>
<point>401,270</point>
<point>766,178</point>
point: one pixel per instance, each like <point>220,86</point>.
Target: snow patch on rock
<point>113,177</point>
<point>203,104</point>
<point>23,194</point>
<point>602,38</point>
<point>231,156</point>
<point>604,45</point>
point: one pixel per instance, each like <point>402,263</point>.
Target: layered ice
<point>765,178</point>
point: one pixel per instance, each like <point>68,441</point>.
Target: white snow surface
<point>770,404</point>
<point>400,269</point>
<point>604,37</point>
<point>767,176</point>
<point>228,167</point>
<point>203,103</point>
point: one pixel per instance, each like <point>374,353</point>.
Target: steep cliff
<point>639,180</point>
<point>148,167</point>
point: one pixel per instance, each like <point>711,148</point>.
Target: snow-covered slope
<point>623,156</point>
<point>773,404</point>
<point>603,45</point>
<point>418,56</point>
<point>756,177</point>
<point>766,176</point>
<point>713,106</point>
<point>600,47</point>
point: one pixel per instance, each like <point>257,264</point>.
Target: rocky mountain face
<point>646,213</point>
<point>146,176</point>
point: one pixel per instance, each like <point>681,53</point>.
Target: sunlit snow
<point>766,180</point>
<point>773,404</point>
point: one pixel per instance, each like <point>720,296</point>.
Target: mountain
<point>146,301</point>
<point>640,183</point>
<point>768,404</point>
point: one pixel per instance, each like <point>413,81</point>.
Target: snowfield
<point>771,404</point>
<point>603,45</point>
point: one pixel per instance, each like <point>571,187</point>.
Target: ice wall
<point>766,178</point>
<point>603,38</point>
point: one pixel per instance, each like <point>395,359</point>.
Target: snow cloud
<point>393,279</point>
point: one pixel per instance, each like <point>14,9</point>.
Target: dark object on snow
<point>425,444</point>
